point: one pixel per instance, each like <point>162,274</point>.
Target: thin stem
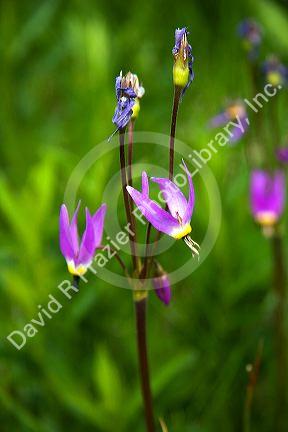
<point>118,258</point>
<point>176,101</point>
<point>177,95</point>
<point>140,310</point>
<point>253,377</point>
<point>76,280</point>
<point>125,195</point>
<point>130,152</point>
<point>147,253</point>
<point>279,328</point>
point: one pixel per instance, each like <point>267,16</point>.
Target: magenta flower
<point>163,288</point>
<point>236,113</point>
<point>282,154</point>
<point>80,256</point>
<point>267,195</point>
<point>176,221</point>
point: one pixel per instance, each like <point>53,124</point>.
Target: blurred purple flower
<point>162,288</point>
<point>176,221</point>
<point>125,96</point>
<point>251,34</point>
<point>275,72</point>
<point>235,111</point>
<point>267,196</point>
<point>79,257</point>
<point>183,60</point>
<point>282,154</point>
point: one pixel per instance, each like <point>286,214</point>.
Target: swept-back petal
<point>173,196</point>
<point>74,231</point>
<point>66,246</point>
<point>159,218</point>
<point>87,247</point>
<point>145,184</point>
<point>98,221</point>
<point>191,199</point>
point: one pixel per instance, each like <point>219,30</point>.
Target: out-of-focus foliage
<point>58,63</point>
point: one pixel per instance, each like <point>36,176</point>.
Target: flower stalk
<point>279,277</point>
<point>140,312</point>
<point>176,101</point>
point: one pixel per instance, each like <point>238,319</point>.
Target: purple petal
<point>145,184</point>
<point>267,193</point>
<point>66,246</point>
<point>282,154</point>
<point>173,196</point>
<point>87,247</point>
<point>237,132</point>
<point>74,231</point>
<point>163,288</point>
<point>191,200</point>
<point>219,120</point>
<point>159,218</point>
<point>98,221</point>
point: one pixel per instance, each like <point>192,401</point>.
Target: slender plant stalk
<point>140,310</point>
<point>126,196</point>
<point>253,377</point>
<point>130,152</point>
<point>177,96</point>
<point>140,297</point>
<point>279,328</point>
<point>176,101</point>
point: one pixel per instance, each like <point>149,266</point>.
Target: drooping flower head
<point>251,34</point>
<point>125,96</point>
<point>267,196</point>
<point>176,221</point>
<point>183,60</point>
<point>79,255</point>
<point>234,112</point>
<point>162,288</point>
<point>282,154</point>
<point>133,82</point>
<point>275,72</point>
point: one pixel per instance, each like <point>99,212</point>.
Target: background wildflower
<point>79,255</point>
<point>267,196</point>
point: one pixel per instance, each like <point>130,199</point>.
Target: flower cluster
<point>174,220</point>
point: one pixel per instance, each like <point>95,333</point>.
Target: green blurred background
<point>58,64</point>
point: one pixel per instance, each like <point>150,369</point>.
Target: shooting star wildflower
<point>126,97</point>
<point>80,256</point>
<point>176,221</point>
<point>267,196</point>
<point>236,114</point>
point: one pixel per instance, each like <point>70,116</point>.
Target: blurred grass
<point>59,61</point>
